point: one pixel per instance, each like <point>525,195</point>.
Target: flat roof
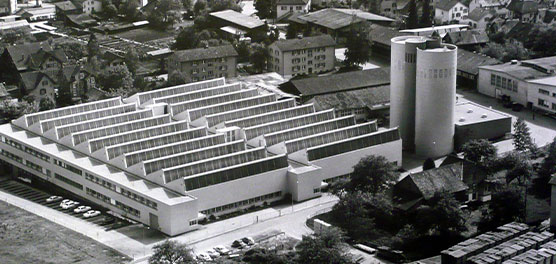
<point>551,81</point>
<point>470,113</point>
<point>437,28</point>
<point>238,18</point>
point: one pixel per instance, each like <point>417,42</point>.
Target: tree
<point>428,164</point>
<point>292,31</point>
<point>442,216</point>
<point>199,7</point>
<point>187,4</point>
<point>522,137</point>
<point>115,78</point>
<point>74,50</point>
<point>510,50</point>
<point>412,21</point>
<point>130,10</point>
<point>186,39</point>
<point>480,151</point>
<point>46,104</point>
<point>358,46</point>
<point>504,207</point>
<point>11,109</point>
<point>372,174</point>
<point>258,57</point>
<point>131,59</point>
<point>110,10</point>
<point>93,48</point>
<point>176,77</point>
<point>264,9</point>
<point>328,246</point>
<point>263,256</point>
<point>63,96</point>
<point>426,18</point>
<point>220,5</point>
<point>242,49</point>
<point>548,167</point>
<point>517,165</point>
<point>171,252</point>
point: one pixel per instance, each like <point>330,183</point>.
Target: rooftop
<point>65,6</point>
<point>469,62</point>
<point>291,2</point>
<point>384,35</point>
<point>206,53</point>
<point>377,97</point>
<point>447,4</point>
<point>304,43</point>
<point>551,81</point>
<point>339,82</point>
<point>470,113</point>
<point>238,19</point>
<point>527,69</point>
<point>479,13</point>
<point>442,179</point>
<point>336,18</point>
<point>467,37</point>
<point>523,6</point>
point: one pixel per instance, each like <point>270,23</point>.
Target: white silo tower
<point>403,86</point>
<point>435,100</point>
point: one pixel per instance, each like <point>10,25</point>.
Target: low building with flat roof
<point>474,121</point>
<point>237,20</point>
<point>170,157</point>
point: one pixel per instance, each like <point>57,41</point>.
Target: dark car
<point>387,253</point>
<point>517,107</point>
<point>238,244</point>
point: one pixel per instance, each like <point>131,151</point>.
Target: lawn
<point>144,34</point>
<point>28,238</point>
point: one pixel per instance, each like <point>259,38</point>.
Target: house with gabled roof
<point>450,10</point>
<point>285,7</point>
<point>524,10</point>
<point>479,18</point>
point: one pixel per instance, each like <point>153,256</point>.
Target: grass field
<point>28,238</point>
<point>144,34</point>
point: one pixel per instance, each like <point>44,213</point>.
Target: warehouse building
<point>171,157</point>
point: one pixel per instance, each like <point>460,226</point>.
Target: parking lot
<point>30,193</point>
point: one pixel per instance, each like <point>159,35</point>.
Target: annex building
<point>170,157</point>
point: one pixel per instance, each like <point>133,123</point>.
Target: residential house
<point>531,83</point>
<point>447,11</point>
<point>336,22</point>
<point>302,56</point>
<point>88,6</point>
<point>285,7</point>
<point>472,40</point>
<point>524,10</point>
<point>547,16</point>
<point>468,67</point>
<point>8,7</point>
<point>112,59</point>
<point>65,8</point>
<point>204,63</point>
<point>364,94</point>
<point>417,188</point>
<point>486,4</point>
<point>480,18</point>
<point>394,8</point>
<point>39,13</point>
<point>29,57</point>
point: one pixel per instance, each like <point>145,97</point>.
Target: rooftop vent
<point>484,116</point>
<point>514,61</point>
<point>462,119</point>
<point>469,110</point>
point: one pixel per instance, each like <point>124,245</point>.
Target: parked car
<point>82,209</point>
<point>91,213</point>
<point>387,253</point>
<point>365,248</point>
<point>53,198</point>
<point>222,250</point>
<point>248,241</point>
<point>213,254</point>
<point>238,244</point>
<point>69,205</point>
<point>204,257</point>
<point>517,107</point>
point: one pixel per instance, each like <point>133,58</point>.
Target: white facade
<point>542,94</point>
<point>458,12</point>
<point>422,94</point>
<point>435,101</point>
<point>283,9</point>
<point>90,6</point>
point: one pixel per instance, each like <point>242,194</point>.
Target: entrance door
<point>153,220</point>
<point>310,70</point>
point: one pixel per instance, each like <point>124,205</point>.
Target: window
<point>68,167</point>
<point>45,82</point>
<point>316,190</point>
<point>498,81</point>
<point>553,106</point>
<point>503,83</point>
<point>492,79</point>
<point>298,8</point>
<point>284,8</point>
<point>192,222</point>
<point>43,91</point>
<point>545,92</point>
<point>542,103</point>
<point>68,181</point>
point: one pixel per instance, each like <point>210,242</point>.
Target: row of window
<point>410,57</point>
<point>299,52</point>
<point>545,104</point>
<point>547,93</point>
<point>128,209</point>
<point>222,68</point>
<point>291,7</point>
<point>435,73</point>
<point>33,166</point>
<point>242,203</point>
<point>68,181</point>
<point>98,195</point>
<point>37,154</point>
<point>110,186</point>
<point>202,78</point>
<point>12,143</point>
<point>12,156</point>
<point>208,62</point>
<point>68,167</point>
<point>504,83</point>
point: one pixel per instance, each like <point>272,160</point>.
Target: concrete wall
<point>303,182</point>
<point>241,189</point>
<point>481,130</point>
<point>534,95</point>
<point>343,164</point>
<point>485,87</point>
<point>435,101</point>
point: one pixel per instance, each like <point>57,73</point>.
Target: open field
<point>27,238</point>
<point>144,34</point>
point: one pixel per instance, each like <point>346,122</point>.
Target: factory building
<point>171,157</point>
<point>423,93</point>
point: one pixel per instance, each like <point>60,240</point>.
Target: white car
<point>69,205</point>
<point>204,257</point>
<point>91,213</point>
<point>65,201</point>
<point>82,209</point>
<point>213,254</point>
<point>53,198</point>
<point>222,250</point>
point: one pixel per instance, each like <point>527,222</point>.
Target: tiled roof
<point>341,82</point>
<point>22,55</point>
<point>238,19</point>
<point>467,37</point>
<point>384,35</point>
<point>523,7</point>
<point>469,62</point>
<point>32,79</point>
<point>206,53</point>
<point>442,179</point>
<point>479,13</point>
<point>291,2</point>
<point>65,6</point>
<point>305,43</point>
<point>330,18</point>
<point>446,4</point>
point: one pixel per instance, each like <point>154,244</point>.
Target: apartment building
<point>301,56</point>
<point>204,63</point>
